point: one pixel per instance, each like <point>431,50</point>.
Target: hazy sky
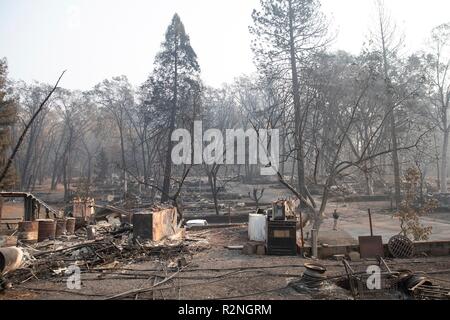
<point>98,39</point>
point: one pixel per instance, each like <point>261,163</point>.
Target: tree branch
<point>27,127</point>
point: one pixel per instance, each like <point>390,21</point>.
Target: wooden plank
<point>164,224</point>
<point>371,246</point>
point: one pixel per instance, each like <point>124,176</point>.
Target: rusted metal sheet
<point>47,229</point>
<point>60,227</point>
<point>164,224</point>
<point>143,225</point>
<point>28,231</point>
<point>70,225</point>
<point>371,247</point>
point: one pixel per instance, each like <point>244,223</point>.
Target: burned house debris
<point>48,247</point>
<point>109,242</point>
<point>105,246</point>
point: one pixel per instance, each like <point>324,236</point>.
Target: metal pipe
<point>370,221</point>
<point>382,261</point>
<point>10,259</point>
<point>349,271</point>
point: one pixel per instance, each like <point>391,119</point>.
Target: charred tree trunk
<point>391,116</point>
<point>144,160</point>
<point>443,177</point>
<point>168,164</point>
<point>213,184</point>
<point>122,149</point>
<point>395,160</point>
<point>297,107</point>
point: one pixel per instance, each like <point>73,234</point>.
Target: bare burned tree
<point>256,195</point>
<point>437,65</point>
<point>348,102</point>
<point>116,96</point>
<point>71,108</point>
<point>286,33</point>
<point>388,44</point>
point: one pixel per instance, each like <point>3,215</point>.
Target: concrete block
<point>327,252</point>
<point>439,252</point>
<point>261,250</point>
<point>249,249</point>
<point>354,256</point>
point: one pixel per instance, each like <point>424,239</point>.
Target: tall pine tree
<point>8,112</point>
<point>175,79</point>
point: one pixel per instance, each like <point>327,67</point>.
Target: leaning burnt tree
<point>22,136</point>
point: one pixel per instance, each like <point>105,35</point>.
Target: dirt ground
<point>354,221</point>
<point>214,273</point>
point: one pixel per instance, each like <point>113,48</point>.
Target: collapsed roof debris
<point>42,253</point>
